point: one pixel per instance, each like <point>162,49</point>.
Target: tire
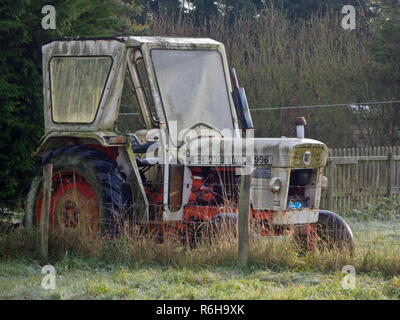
<point>223,224</point>
<point>306,240</point>
<point>87,191</point>
<point>333,232</point>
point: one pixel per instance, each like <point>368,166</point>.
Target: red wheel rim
<point>73,202</point>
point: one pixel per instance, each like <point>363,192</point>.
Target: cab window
<point>145,83</point>
<point>130,118</point>
<point>77,86</point>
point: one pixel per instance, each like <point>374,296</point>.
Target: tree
<point>169,7</point>
<point>203,9</point>
<point>22,36</point>
<point>303,9</point>
<point>236,8</point>
<point>386,53</point>
<point>386,48</point>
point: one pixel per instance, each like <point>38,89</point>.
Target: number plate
<point>263,159</point>
<point>231,160</point>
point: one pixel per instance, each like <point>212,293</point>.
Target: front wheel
<point>222,225</point>
<point>330,232</point>
<point>333,231</point>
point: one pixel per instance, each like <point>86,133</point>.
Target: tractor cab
<point>129,84</point>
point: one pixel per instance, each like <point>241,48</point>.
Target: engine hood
<point>278,152</point>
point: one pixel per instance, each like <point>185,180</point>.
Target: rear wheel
<point>87,191</point>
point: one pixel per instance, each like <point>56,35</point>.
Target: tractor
<point>156,131</point>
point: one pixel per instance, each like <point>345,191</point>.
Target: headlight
<point>275,185</point>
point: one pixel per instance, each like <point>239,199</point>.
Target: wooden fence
<point>359,176</point>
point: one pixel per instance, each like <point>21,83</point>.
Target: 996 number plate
<point>262,159</point>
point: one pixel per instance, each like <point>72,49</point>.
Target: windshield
<point>193,88</point>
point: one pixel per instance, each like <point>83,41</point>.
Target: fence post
<point>243,219</point>
<point>330,185</point>
<point>44,217</point>
<point>389,173</point>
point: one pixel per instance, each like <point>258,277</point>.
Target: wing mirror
<point>241,106</point>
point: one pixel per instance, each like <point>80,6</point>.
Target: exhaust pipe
<point>300,122</point>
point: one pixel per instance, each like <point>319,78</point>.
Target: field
<point>276,270</point>
<point>79,279</point>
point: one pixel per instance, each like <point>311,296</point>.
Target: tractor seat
<point>137,146</point>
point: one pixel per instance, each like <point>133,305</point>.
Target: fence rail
<point>359,176</point>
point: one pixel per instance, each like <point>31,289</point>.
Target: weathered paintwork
<point>278,155</point>
<point>282,152</point>
<point>108,109</point>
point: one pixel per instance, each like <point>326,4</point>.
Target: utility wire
<point>326,105</point>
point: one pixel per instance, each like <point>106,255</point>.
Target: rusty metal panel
<point>290,217</point>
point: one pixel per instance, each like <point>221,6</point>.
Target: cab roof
<point>134,41</point>
<point>139,40</point>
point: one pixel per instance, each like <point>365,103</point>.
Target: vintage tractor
<point>157,132</point>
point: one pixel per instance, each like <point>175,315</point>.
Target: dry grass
<point>137,267</point>
<point>373,253</point>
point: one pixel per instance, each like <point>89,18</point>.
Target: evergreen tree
<point>21,102</point>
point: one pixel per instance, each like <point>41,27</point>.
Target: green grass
<point>79,279</point>
<point>276,270</point>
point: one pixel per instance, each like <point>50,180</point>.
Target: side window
<point>77,86</point>
<point>130,118</point>
<point>145,83</point>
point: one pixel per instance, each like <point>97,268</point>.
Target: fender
<point>56,139</point>
<point>335,228</point>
